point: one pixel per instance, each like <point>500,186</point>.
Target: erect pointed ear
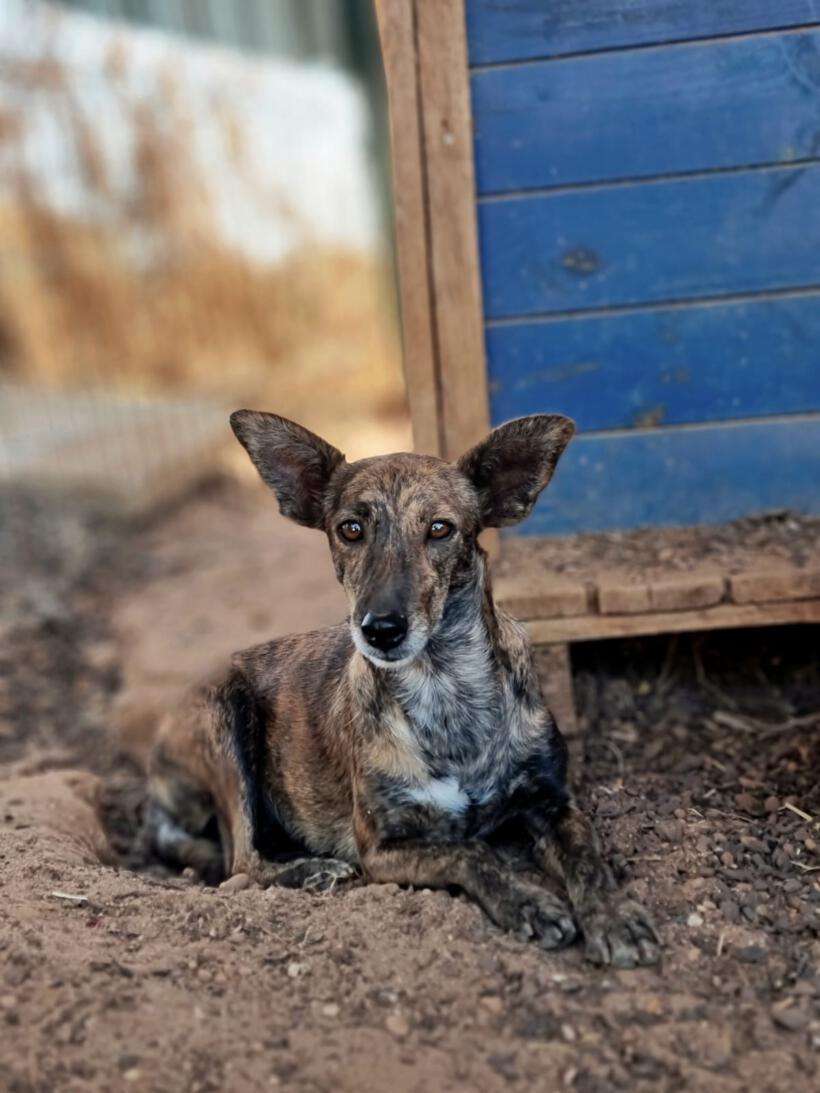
<point>294,462</point>
<point>516,461</point>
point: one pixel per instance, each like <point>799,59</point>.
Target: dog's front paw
<point>331,873</point>
<point>533,913</point>
<point>316,874</point>
<point>620,933</point>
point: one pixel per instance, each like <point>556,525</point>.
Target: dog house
<point>611,209</point>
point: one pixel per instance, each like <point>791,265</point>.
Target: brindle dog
<point>399,743</point>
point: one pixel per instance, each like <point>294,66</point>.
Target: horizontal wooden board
<point>651,241</point>
<point>666,366</point>
<point>510,30</point>
<point>697,475</point>
<point>656,112</point>
<point>727,616</point>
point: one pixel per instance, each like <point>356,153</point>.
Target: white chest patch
<point>442,793</point>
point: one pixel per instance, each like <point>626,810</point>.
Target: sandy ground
<point>702,771</point>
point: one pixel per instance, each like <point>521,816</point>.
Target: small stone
<point>791,1019</point>
<point>569,1033</point>
<point>694,920</point>
<point>237,883</point>
<point>746,802</point>
<point>132,1075</point>
<point>754,844</point>
<point>751,954</point>
<point>669,830</point>
<point>492,1003</point>
<point>771,804</point>
<point>397,1025</point>
<point>729,911</point>
<point>330,1009</point>
<point>295,969</point>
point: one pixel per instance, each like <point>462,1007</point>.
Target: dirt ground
<point>702,771</point>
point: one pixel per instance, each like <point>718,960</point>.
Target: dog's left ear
<point>513,465</point>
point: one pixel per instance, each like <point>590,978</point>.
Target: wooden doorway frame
<point>424,47</point>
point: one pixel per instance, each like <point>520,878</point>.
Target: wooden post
<point>425,59</point>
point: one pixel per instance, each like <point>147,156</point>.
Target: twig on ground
<point>803,815</point>
<point>69,898</point>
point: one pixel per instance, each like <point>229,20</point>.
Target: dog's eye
<point>351,530</point>
<point>440,529</point>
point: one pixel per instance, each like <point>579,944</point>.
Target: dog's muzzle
<point>384,632</point>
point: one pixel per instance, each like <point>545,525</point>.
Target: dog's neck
<point>451,693</point>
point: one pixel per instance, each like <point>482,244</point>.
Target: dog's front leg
<point>474,868</point>
<point>616,930</point>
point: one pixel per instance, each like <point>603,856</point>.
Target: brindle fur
<point>317,756</point>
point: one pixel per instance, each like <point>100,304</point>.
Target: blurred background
<point>194,216</point>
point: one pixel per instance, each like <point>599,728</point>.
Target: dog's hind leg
<point>177,846</point>
<point>217,741</point>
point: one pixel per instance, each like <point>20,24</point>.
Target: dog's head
<point>403,528</point>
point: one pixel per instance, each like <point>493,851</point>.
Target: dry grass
<point>315,338</point>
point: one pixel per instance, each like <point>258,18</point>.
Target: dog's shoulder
<point>316,658</point>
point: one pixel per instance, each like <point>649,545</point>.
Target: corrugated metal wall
<point>341,30</point>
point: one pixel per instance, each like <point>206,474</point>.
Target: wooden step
<point>755,572</point>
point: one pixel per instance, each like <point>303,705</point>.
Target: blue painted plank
<point>656,112</point>
<point>652,241</point>
<point>666,366</point>
<point>702,475</point>
<point>510,30</point>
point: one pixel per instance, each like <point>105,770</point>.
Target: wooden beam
<point>425,61</point>
<point>453,232</point>
<point>397,32</point>
<point>723,617</point>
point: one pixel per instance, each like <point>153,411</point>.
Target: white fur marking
<point>443,793</point>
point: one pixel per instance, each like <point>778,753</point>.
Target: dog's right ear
<point>295,463</point>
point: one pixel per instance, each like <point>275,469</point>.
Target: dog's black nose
<point>384,631</point>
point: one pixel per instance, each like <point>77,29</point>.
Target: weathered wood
<point>752,231</point>
<point>532,596</point>
<point>732,103</point>
<point>398,42</point>
<point>724,616</point>
<point>670,365</point>
<point>622,597</point>
<point>453,239</point>
<point>687,591</point>
<point>555,673</point>
<point>706,475</point>
<point>765,587</point>
<point>502,31</point>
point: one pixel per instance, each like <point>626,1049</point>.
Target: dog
<point>403,742</point>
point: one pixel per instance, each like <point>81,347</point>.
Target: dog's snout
<point>384,632</point>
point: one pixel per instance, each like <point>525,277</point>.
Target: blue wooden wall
<point>648,178</point>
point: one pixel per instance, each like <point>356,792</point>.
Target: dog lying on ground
<point>401,742</point>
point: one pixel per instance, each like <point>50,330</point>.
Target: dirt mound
<point>702,774</point>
